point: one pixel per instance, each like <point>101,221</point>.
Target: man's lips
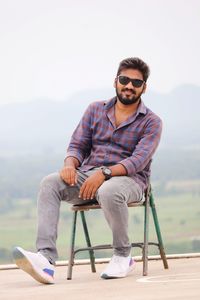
<point>128,92</point>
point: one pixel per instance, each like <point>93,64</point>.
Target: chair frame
<point>147,203</point>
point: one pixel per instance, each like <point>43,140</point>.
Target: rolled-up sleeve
<point>81,140</point>
<point>145,148</point>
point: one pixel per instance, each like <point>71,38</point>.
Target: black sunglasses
<point>125,80</point>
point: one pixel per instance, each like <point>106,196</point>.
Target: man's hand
<point>91,185</point>
<point>69,175</point>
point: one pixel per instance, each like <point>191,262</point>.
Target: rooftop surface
<point>180,281</point>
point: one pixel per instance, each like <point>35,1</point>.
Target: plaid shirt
<point>98,142</point>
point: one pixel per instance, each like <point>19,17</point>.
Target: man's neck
<point>123,112</point>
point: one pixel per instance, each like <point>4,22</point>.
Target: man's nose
<point>129,85</point>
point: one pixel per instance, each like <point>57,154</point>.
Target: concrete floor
<point>181,281</point>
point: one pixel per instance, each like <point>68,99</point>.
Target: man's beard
<point>128,101</point>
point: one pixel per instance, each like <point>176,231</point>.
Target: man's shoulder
<point>98,103</point>
<point>152,115</point>
<point>101,104</point>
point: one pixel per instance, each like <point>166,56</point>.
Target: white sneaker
<point>34,264</point>
<point>119,266</point>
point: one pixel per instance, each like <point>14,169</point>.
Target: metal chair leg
<point>87,238</point>
<point>146,237</point>
<point>71,250</point>
<point>158,232</point>
<point>148,203</point>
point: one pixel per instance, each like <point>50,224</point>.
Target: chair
<point>148,202</point>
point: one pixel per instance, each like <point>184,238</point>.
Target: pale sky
<point>52,49</point>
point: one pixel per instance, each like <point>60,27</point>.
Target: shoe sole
<point>23,263</point>
<point>106,276</point>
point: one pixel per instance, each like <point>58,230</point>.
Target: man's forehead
<point>132,73</point>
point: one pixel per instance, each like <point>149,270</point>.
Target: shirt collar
<point>141,109</point>
<point>108,104</point>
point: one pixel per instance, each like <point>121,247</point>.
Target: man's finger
<point>88,194</point>
<point>82,190</point>
<point>76,177</point>
<point>71,177</point>
<point>93,192</point>
<point>85,190</point>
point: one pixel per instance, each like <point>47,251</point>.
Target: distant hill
<point>44,125</point>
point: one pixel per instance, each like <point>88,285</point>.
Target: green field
<point>179,217</point>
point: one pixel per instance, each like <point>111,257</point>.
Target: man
<point>108,160</point>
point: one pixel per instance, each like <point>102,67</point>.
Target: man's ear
<point>115,83</point>
<point>144,88</point>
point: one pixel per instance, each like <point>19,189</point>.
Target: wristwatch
<point>106,172</point>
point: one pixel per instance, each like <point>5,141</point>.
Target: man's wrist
<point>106,172</point>
<point>71,162</point>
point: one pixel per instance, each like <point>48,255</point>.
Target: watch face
<point>107,171</point>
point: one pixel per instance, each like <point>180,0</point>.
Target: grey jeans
<point>113,196</point>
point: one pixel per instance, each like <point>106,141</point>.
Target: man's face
<point>127,93</point>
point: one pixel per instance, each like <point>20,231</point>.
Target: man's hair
<point>136,64</point>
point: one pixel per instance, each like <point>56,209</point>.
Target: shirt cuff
<point>128,165</point>
<point>76,155</point>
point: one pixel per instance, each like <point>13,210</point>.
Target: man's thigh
<point>121,186</point>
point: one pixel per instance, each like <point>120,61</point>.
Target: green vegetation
<point>176,190</point>
<point>178,215</point>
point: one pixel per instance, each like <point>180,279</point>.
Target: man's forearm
<point>118,170</point>
<point>72,162</point>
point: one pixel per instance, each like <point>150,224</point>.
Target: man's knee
<point>109,195</point>
<point>51,180</point>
